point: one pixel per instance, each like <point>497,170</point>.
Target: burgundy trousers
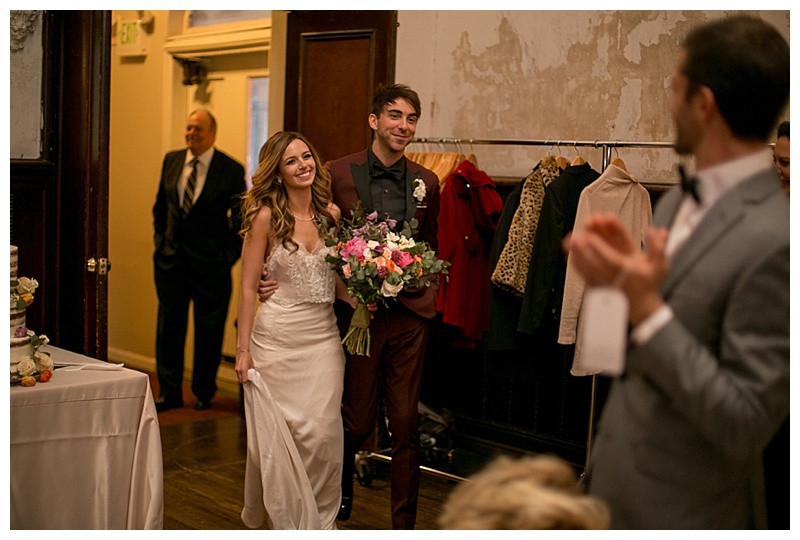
<point>397,353</point>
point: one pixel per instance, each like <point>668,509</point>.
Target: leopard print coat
<point>511,272</point>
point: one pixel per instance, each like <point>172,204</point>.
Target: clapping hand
<point>605,254</point>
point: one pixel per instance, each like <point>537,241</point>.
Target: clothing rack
<point>606,147</point>
<point>545,142</point>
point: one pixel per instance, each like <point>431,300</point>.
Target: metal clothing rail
<point>606,147</point>
<point>544,142</point>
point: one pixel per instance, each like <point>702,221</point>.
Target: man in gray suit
<point>706,380</point>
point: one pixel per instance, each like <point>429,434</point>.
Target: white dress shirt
<point>712,184</point>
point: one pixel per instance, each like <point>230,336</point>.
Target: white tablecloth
<point>85,450</point>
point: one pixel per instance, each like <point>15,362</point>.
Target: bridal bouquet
<point>376,264</point>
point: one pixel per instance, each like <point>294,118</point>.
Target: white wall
<point>557,75</point>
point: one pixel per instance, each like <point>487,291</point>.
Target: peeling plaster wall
<point>557,75</point>
<point>25,84</point>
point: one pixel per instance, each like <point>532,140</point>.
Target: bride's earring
<point>279,179</point>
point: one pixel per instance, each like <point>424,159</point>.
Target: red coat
<point>470,208</point>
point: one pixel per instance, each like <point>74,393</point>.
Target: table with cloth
<point>85,449</point>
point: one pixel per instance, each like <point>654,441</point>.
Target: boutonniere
<point>419,190</point>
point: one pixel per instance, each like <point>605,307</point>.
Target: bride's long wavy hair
<point>268,191</point>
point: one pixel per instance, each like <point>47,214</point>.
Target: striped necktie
<point>191,183</point>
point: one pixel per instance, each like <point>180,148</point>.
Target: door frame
<point>61,203</point>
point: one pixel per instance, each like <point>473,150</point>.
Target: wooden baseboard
<point>227,381</point>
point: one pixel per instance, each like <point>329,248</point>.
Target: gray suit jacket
<point>680,441</point>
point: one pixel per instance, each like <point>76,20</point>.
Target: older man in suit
<point>706,382</point>
<point>196,221</point>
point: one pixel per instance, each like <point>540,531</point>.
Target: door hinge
<point>101,266</point>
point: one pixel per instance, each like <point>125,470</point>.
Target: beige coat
<point>616,192</point>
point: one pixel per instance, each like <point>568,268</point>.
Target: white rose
<point>26,366</point>
<point>406,243</point>
<point>419,190</point>
<point>387,289</point>
<point>27,285</point>
<point>43,361</point>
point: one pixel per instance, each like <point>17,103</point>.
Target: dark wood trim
<point>345,25</point>
<point>84,127</point>
<point>59,201</point>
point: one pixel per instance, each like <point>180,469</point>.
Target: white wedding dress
<point>293,398</point>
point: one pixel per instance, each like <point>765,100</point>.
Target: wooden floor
<point>204,464</point>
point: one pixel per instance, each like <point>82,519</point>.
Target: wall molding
<point>227,381</point>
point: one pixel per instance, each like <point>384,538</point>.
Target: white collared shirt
<point>203,162</point>
<point>713,182</point>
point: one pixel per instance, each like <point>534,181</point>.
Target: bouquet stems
<point>357,339</point>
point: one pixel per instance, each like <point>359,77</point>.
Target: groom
<point>386,182</point>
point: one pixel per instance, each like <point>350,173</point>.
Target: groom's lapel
<point>362,181</point>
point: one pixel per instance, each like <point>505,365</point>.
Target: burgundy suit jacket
<point>350,182</point>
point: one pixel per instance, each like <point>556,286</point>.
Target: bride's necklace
<point>301,219</point>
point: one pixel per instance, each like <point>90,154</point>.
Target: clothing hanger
<point>578,160</point>
<point>561,161</point>
<point>617,161</point>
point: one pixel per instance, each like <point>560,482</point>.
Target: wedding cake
<point>22,289</point>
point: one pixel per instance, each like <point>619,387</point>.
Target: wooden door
<point>334,62</point>
<point>59,200</point>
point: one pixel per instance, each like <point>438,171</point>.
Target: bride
<point>289,356</point>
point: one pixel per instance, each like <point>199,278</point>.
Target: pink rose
<point>354,246</point>
<point>402,258</point>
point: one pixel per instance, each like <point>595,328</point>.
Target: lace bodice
<point>302,276</point>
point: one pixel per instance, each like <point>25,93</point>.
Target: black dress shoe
<point>345,508</point>
<point>164,404</point>
<point>202,405</point>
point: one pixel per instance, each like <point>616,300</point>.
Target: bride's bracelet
<point>242,350</point>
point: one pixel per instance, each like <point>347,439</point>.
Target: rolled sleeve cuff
<point>645,330</point>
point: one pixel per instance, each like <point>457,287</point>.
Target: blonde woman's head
<point>528,493</point>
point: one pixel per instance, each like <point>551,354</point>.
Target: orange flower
<point>27,298</point>
<point>383,262</point>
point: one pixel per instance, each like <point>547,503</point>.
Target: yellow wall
<point>147,115</point>
<point>136,148</point>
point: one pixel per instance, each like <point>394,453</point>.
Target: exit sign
<point>132,39</point>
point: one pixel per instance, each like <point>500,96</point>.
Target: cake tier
<point>14,259</point>
<point>20,348</point>
<point>17,319</point>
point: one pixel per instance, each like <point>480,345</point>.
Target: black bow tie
<point>394,172</point>
<point>689,184</point>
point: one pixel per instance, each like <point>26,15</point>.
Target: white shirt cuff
<point>646,329</point>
